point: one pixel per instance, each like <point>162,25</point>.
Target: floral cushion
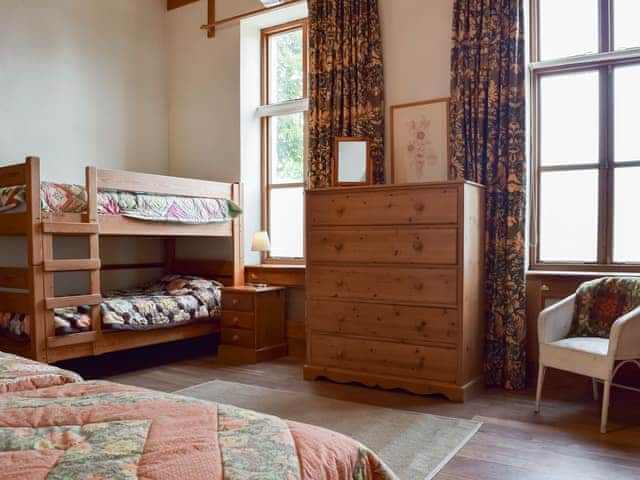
<point>599,303</point>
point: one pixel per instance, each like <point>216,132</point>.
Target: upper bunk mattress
<point>64,198</point>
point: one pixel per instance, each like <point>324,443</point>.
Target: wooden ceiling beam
<point>172,4</point>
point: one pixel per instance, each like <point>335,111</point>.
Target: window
<point>585,73</point>
<point>283,112</point>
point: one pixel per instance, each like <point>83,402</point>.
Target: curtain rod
<point>252,13</point>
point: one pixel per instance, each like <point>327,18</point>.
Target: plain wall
<point>84,82</point>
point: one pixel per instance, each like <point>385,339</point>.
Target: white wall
<point>84,82</point>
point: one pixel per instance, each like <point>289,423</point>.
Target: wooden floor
<point>562,442</point>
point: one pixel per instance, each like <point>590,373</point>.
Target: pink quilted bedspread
<point>99,430</point>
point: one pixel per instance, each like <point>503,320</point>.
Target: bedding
<point>18,374</point>
<point>103,430</point>
<point>173,300</point>
<point>63,198</point>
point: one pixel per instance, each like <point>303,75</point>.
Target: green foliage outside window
<point>288,86</point>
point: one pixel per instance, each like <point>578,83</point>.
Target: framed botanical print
<point>420,141</point>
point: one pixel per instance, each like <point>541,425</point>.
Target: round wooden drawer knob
<point>235,301</point>
<point>235,338</point>
<point>235,321</point>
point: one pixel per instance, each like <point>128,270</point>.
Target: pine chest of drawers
<point>395,286</point>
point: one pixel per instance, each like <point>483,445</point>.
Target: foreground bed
<point>54,425</point>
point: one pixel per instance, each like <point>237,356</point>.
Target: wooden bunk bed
<point>30,290</point>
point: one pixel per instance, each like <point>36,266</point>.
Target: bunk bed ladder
<point>89,228</point>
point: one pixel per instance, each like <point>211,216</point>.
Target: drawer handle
<point>418,285</point>
<point>340,210</point>
<point>419,207</point>
<point>422,325</point>
<point>235,338</point>
<point>418,245</point>
<point>340,354</point>
<point>545,288</point>
<point>338,247</point>
<point>235,321</point>
<point>340,283</point>
<point>235,301</point>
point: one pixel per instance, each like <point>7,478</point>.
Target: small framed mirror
<point>351,161</point>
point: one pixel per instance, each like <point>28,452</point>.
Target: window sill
<point>581,273</point>
<point>276,274</point>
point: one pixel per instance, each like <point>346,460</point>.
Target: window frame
<point>604,63</point>
<point>267,111</point>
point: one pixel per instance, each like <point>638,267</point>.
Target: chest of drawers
<point>395,285</point>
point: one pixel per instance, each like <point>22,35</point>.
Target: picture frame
<point>351,164</point>
<point>420,141</point>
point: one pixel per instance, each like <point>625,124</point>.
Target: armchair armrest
<point>554,322</point>
<point>624,339</point>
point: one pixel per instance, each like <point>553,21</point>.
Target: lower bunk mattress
<point>173,300</point>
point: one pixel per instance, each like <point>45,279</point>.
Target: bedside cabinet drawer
<point>237,301</point>
<point>240,338</point>
<point>243,320</point>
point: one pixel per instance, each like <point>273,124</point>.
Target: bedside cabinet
<point>253,325</point>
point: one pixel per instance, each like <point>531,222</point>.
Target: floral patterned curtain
<point>487,140</point>
<point>346,82</point>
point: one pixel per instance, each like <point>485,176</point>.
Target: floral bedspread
<point>165,208</point>
<point>91,430</point>
<point>63,198</point>
<point>54,197</point>
<point>173,300</point>
<point>17,374</point>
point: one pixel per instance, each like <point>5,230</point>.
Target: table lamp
<point>260,243</point>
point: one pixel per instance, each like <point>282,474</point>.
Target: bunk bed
<point>30,290</point>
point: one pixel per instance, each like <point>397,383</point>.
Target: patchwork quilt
<point>63,198</point>
<point>100,430</point>
<point>173,300</point>
<point>17,374</point>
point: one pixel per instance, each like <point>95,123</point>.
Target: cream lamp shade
<point>260,242</point>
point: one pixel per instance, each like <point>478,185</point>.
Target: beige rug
<point>415,445</point>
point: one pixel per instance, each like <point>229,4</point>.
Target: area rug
<point>415,445</point>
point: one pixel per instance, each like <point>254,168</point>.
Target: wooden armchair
<point>594,332</point>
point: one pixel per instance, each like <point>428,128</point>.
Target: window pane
<point>627,106</point>
<point>569,216</point>
<point>568,27</point>
<point>626,247</point>
<point>287,148</point>
<point>285,66</point>
<point>286,222</point>
<point>569,118</point>
<point>625,27</point>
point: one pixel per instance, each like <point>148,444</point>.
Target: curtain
<point>487,140</point>
<point>346,83</point>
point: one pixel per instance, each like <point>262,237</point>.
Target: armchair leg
<point>541,371</point>
<point>594,384</point>
<point>605,406</point>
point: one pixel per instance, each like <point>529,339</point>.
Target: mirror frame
<point>336,160</point>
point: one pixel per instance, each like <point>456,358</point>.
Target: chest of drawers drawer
<point>237,302</point>
<point>396,322</point>
<point>238,337</point>
<point>393,207</point>
<point>431,286</point>
<point>437,246</point>
<point>387,358</point>
<point>232,319</point>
